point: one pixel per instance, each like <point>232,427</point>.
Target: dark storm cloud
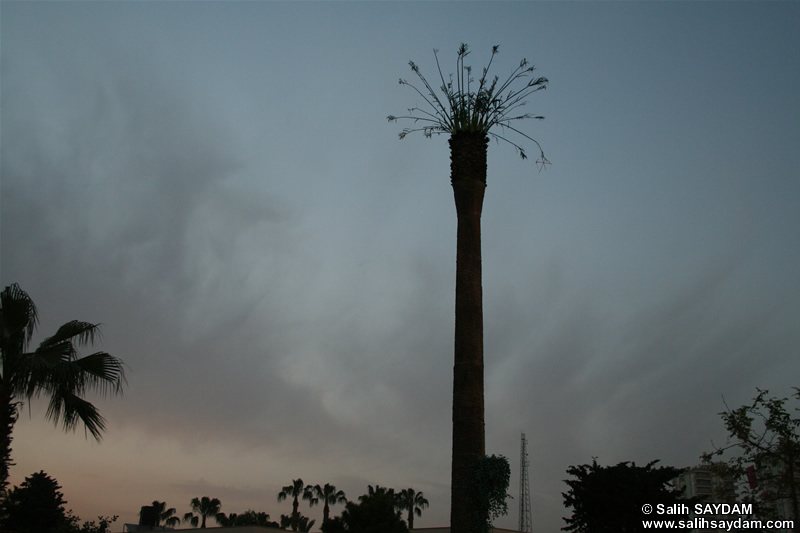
<point>122,183</point>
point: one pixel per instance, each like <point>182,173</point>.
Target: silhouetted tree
<point>227,520</point>
<point>609,499</point>
<point>296,491</point>
<point>36,506</point>
<point>168,516</point>
<point>329,496</point>
<point>304,524</point>
<point>54,369</point>
<point>376,513</point>
<point>253,518</point>
<point>470,115</point>
<point>412,501</point>
<point>204,507</point>
<point>768,441</point>
<point>377,490</point>
<point>103,525</point>
<point>247,518</point>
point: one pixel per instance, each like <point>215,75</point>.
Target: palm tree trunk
<point>8,416</point>
<point>468,177</point>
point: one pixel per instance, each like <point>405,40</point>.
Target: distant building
<point>707,486</point>
<point>704,483</point>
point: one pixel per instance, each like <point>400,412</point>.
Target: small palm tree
<point>168,516</point>
<point>204,507</point>
<point>296,491</point>
<point>55,369</point>
<point>227,520</point>
<point>329,496</point>
<point>304,524</point>
<point>251,518</point>
<point>415,502</point>
<point>471,114</point>
<point>377,490</point>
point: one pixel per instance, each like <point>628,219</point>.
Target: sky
<point>216,183</point>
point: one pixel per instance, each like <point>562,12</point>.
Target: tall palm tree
<point>415,502</point>
<point>329,496</point>
<point>471,116</point>
<point>54,369</point>
<point>204,507</point>
<point>296,491</point>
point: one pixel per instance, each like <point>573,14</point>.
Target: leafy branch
<point>767,439</point>
<point>460,106</point>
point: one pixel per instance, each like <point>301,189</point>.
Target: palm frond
<point>100,372</point>
<point>69,409</point>
<point>18,319</point>
<point>55,368</point>
<point>462,109</point>
<point>75,331</point>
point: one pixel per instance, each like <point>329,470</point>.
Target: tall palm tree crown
<point>471,114</point>
<point>54,369</point>
<point>296,491</point>
<point>204,507</point>
<point>463,108</point>
<point>329,496</point>
<point>414,502</point>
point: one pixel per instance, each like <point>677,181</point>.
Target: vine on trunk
<point>492,476</point>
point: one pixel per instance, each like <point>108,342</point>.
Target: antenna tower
<point>524,490</point>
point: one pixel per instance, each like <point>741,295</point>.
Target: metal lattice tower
<point>524,490</point>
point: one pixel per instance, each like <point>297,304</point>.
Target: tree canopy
<point>609,499</point>
<point>376,512</point>
<point>763,438</point>
<point>37,506</point>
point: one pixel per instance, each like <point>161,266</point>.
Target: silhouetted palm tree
<point>296,491</point>
<point>167,516</point>
<point>304,524</point>
<point>204,507</point>
<point>376,491</point>
<point>468,114</point>
<point>227,520</point>
<point>54,369</point>
<point>329,496</point>
<point>415,502</point>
